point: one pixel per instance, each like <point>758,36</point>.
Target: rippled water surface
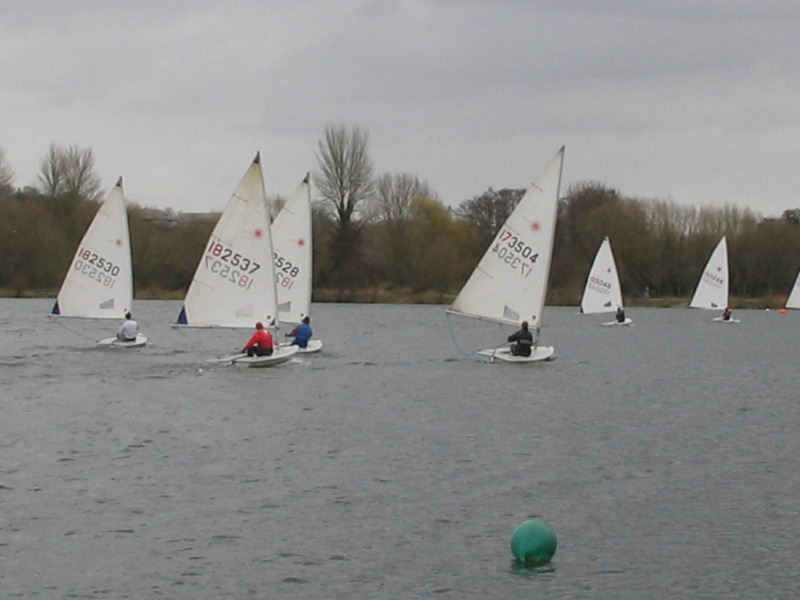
<point>665,457</point>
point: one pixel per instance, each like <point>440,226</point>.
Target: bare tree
<point>69,172</point>
<point>6,175</point>
<point>489,211</point>
<point>394,197</point>
<point>344,183</point>
<point>394,193</point>
<point>345,180</point>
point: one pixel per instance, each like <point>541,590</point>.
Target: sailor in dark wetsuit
<point>523,339</point>
<point>620,315</point>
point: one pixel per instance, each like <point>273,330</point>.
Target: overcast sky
<point>692,100</point>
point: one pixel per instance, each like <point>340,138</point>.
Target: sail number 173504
<point>513,251</point>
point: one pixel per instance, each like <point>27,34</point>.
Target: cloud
<point>693,101</point>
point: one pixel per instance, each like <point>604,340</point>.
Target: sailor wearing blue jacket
<point>301,333</point>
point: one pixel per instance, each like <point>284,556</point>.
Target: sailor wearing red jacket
<point>260,343</point>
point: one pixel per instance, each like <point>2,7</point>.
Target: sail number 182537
<point>231,266</point>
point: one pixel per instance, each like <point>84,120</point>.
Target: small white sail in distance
<point>712,289</point>
<point>99,281</point>
<point>234,284</point>
<point>603,292</point>
<point>292,243</point>
<point>793,301</point>
<point>509,284</point>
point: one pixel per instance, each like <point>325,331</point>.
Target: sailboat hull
<point>726,321</point>
<point>313,346</point>
<point>627,321</point>
<point>117,343</point>
<point>282,355</point>
<point>540,353</point>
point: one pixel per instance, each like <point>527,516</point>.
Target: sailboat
<point>712,289</point>
<point>99,281</point>
<point>234,284</point>
<point>509,284</point>
<point>603,293</point>
<point>293,252</point>
<point>793,301</point>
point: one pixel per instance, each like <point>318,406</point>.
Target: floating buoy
<point>533,542</point>
<point>782,311</point>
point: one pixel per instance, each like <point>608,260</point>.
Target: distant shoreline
<point>381,295</point>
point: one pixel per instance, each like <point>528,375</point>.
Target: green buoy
<point>533,542</point>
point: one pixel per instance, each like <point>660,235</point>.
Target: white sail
<point>712,289</point>
<point>292,242</point>
<point>99,281</point>
<point>234,284</point>
<point>793,301</point>
<point>603,292</point>
<point>509,284</point>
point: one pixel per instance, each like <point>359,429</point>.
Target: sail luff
<point>559,159</point>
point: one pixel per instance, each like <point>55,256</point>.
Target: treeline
<point>389,238</point>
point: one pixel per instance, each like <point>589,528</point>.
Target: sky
<point>695,101</point>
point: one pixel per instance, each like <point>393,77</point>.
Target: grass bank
<point>383,294</point>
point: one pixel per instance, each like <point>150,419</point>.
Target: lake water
<point>665,456</point>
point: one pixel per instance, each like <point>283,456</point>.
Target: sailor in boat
<point>260,343</point>
<point>726,314</point>
<point>620,314</point>
<point>523,341</point>
<point>301,333</point>
<point>129,329</point>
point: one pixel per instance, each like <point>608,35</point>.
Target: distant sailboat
<point>603,292</point>
<point>293,254</point>
<point>99,281</point>
<point>793,301</point>
<point>509,284</point>
<point>712,289</point>
<point>234,284</point>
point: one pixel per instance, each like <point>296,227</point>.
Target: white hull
<point>117,343</point>
<point>539,353</point>
<point>726,321</point>
<point>313,346</point>
<point>282,355</point>
<point>627,321</point>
